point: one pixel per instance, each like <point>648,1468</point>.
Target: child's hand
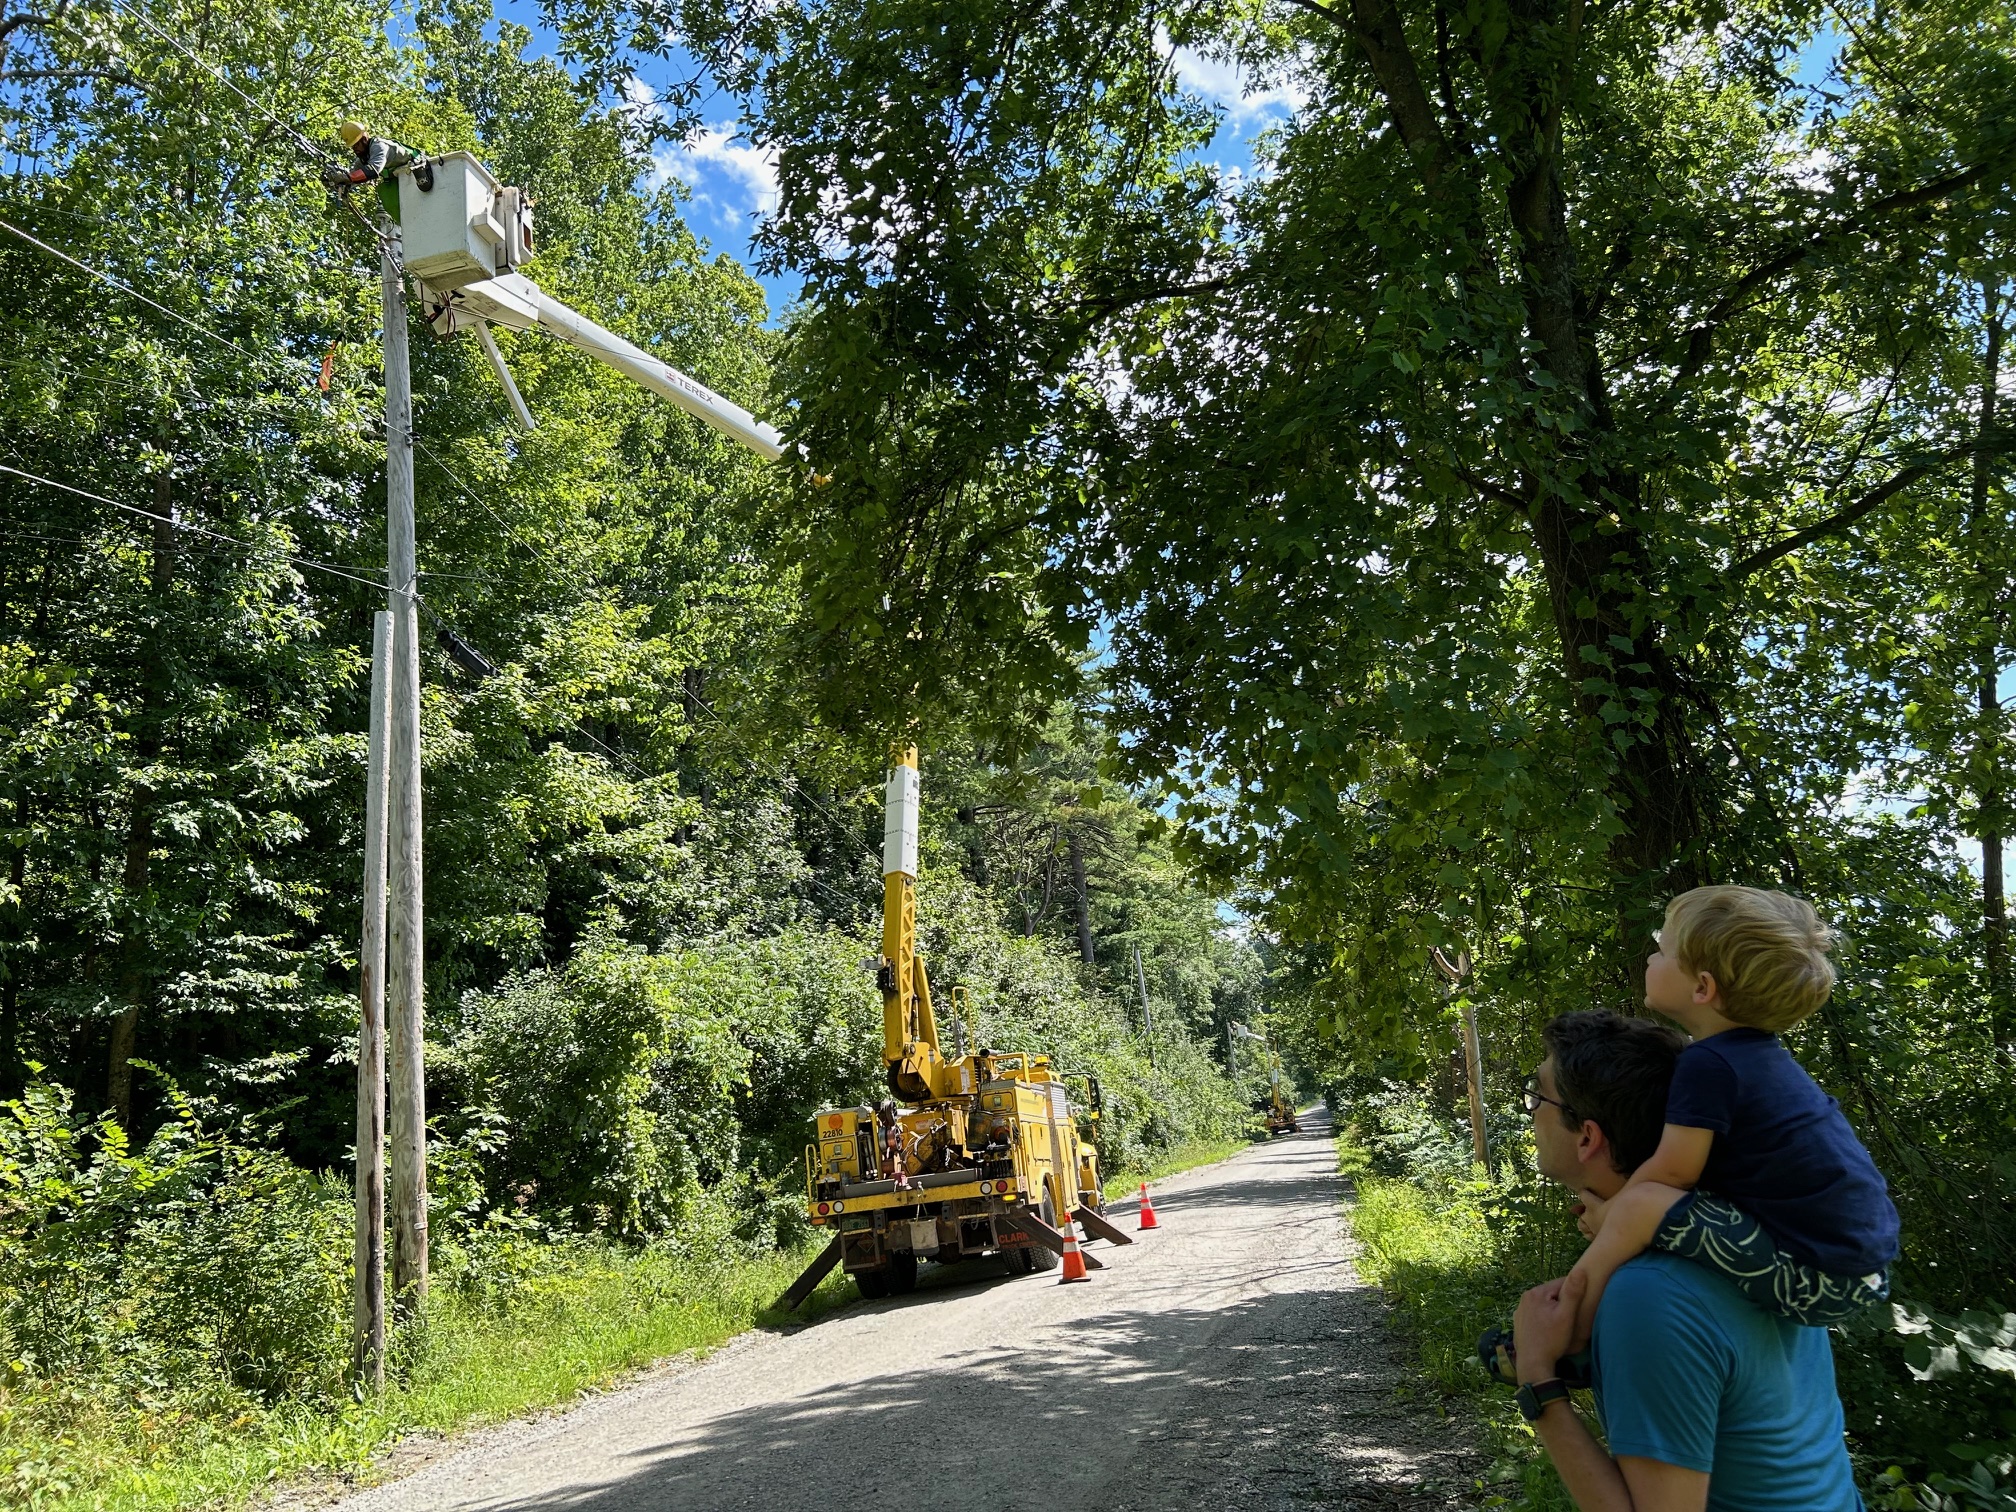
<point>1589,1214</point>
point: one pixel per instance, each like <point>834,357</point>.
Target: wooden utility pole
<point>1453,972</point>
<point>367,1342</point>
<point>404,964</point>
<point>1991,799</point>
<point>1147,1018</point>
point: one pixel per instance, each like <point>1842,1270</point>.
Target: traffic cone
<point>1074,1262</point>
<point>1148,1218</point>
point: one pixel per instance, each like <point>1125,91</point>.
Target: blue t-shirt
<point>1686,1372</point>
<point>1783,1152</point>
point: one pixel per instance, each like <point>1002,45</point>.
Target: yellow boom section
<point>909,1028</point>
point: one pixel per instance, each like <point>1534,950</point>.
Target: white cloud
<point>716,153</point>
<point>1223,81</point>
<point>710,156</point>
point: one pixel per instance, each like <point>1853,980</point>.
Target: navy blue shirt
<point>1783,1152</point>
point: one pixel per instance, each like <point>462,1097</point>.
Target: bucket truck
<point>984,1154</point>
<point>464,237</point>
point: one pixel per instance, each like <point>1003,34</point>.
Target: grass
<point>1432,1245</point>
<point>554,1335</point>
<point>1183,1157</point>
<point>532,1327</point>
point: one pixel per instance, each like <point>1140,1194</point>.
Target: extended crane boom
<point>988,1159</point>
<point>464,236</point>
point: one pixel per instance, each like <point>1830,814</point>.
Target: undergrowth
<point>174,1317</point>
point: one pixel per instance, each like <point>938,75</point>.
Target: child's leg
<point>1629,1220</point>
<point>1727,1240</point>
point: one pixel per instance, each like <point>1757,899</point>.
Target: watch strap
<point>1536,1397</point>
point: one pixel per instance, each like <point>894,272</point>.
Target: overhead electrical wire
<point>318,154</point>
<point>128,289</point>
<point>202,530</point>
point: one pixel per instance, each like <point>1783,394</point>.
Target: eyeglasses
<point>1535,1097</point>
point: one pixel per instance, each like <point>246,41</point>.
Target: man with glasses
<point>1709,1404</point>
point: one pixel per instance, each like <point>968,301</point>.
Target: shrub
<point>195,1260</point>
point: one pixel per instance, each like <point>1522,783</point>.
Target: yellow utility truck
<point>983,1154</point>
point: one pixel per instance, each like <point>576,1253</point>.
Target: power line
<point>319,155</point>
<point>483,504</point>
<point>202,530</point>
<point>287,126</point>
<point>128,289</point>
<point>788,787</point>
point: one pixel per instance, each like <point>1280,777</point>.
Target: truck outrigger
<point>987,1158</point>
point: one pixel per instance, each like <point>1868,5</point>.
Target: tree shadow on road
<point>1289,1401</point>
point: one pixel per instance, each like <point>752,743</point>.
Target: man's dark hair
<point>1614,1070</point>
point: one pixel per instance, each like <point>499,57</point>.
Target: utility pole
<point>1147,1019</point>
<point>405,966</point>
<point>1473,1053</point>
<point>1231,1048</point>
<point>367,1344</point>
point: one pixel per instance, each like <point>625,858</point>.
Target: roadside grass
<point>485,1355</point>
<point>1430,1243</point>
<point>1171,1162</point>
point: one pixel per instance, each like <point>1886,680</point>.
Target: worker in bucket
<point>371,157</point>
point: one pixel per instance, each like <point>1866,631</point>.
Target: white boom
<point>464,238</point>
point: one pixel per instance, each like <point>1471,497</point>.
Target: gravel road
<point>1228,1360</point>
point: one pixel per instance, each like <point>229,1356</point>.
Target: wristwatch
<point>1535,1397</point>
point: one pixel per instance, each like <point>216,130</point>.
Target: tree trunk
<point>1991,798</point>
<point>11,1080</point>
<point>1632,695</point>
<point>1082,905</point>
<point>136,950</point>
<point>1599,574</point>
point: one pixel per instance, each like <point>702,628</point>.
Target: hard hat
<point>352,133</point>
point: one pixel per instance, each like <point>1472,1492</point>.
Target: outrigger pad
<point>809,1279</point>
<point>1041,1233</point>
<point>1097,1226</point>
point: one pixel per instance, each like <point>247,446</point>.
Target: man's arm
<point>1595,1481</point>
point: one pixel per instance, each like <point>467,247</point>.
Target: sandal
<point>1501,1361</point>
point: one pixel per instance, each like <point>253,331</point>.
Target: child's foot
<point>1501,1362</point>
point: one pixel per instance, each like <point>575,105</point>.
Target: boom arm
<point>465,236</point>
<point>909,1029</point>
<point>512,300</point>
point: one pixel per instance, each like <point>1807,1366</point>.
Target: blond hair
<point>1766,950</point>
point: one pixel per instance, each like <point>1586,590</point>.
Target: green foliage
<point>194,1266</point>
<point>651,871</point>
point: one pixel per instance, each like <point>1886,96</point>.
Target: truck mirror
<point>1092,1096</point>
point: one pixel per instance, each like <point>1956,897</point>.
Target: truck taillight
<point>825,1208</point>
<point>986,1189</point>
<point>1004,1187</point>
<point>839,1207</point>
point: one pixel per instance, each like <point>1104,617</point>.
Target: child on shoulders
<point>1758,1175</point>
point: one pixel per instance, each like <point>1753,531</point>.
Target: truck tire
<point>873,1284</point>
<point>1041,1259</point>
<point>901,1274</point>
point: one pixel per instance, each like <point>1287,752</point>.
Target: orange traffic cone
<point>1148,1218</point>
<point>1074,1262</point>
